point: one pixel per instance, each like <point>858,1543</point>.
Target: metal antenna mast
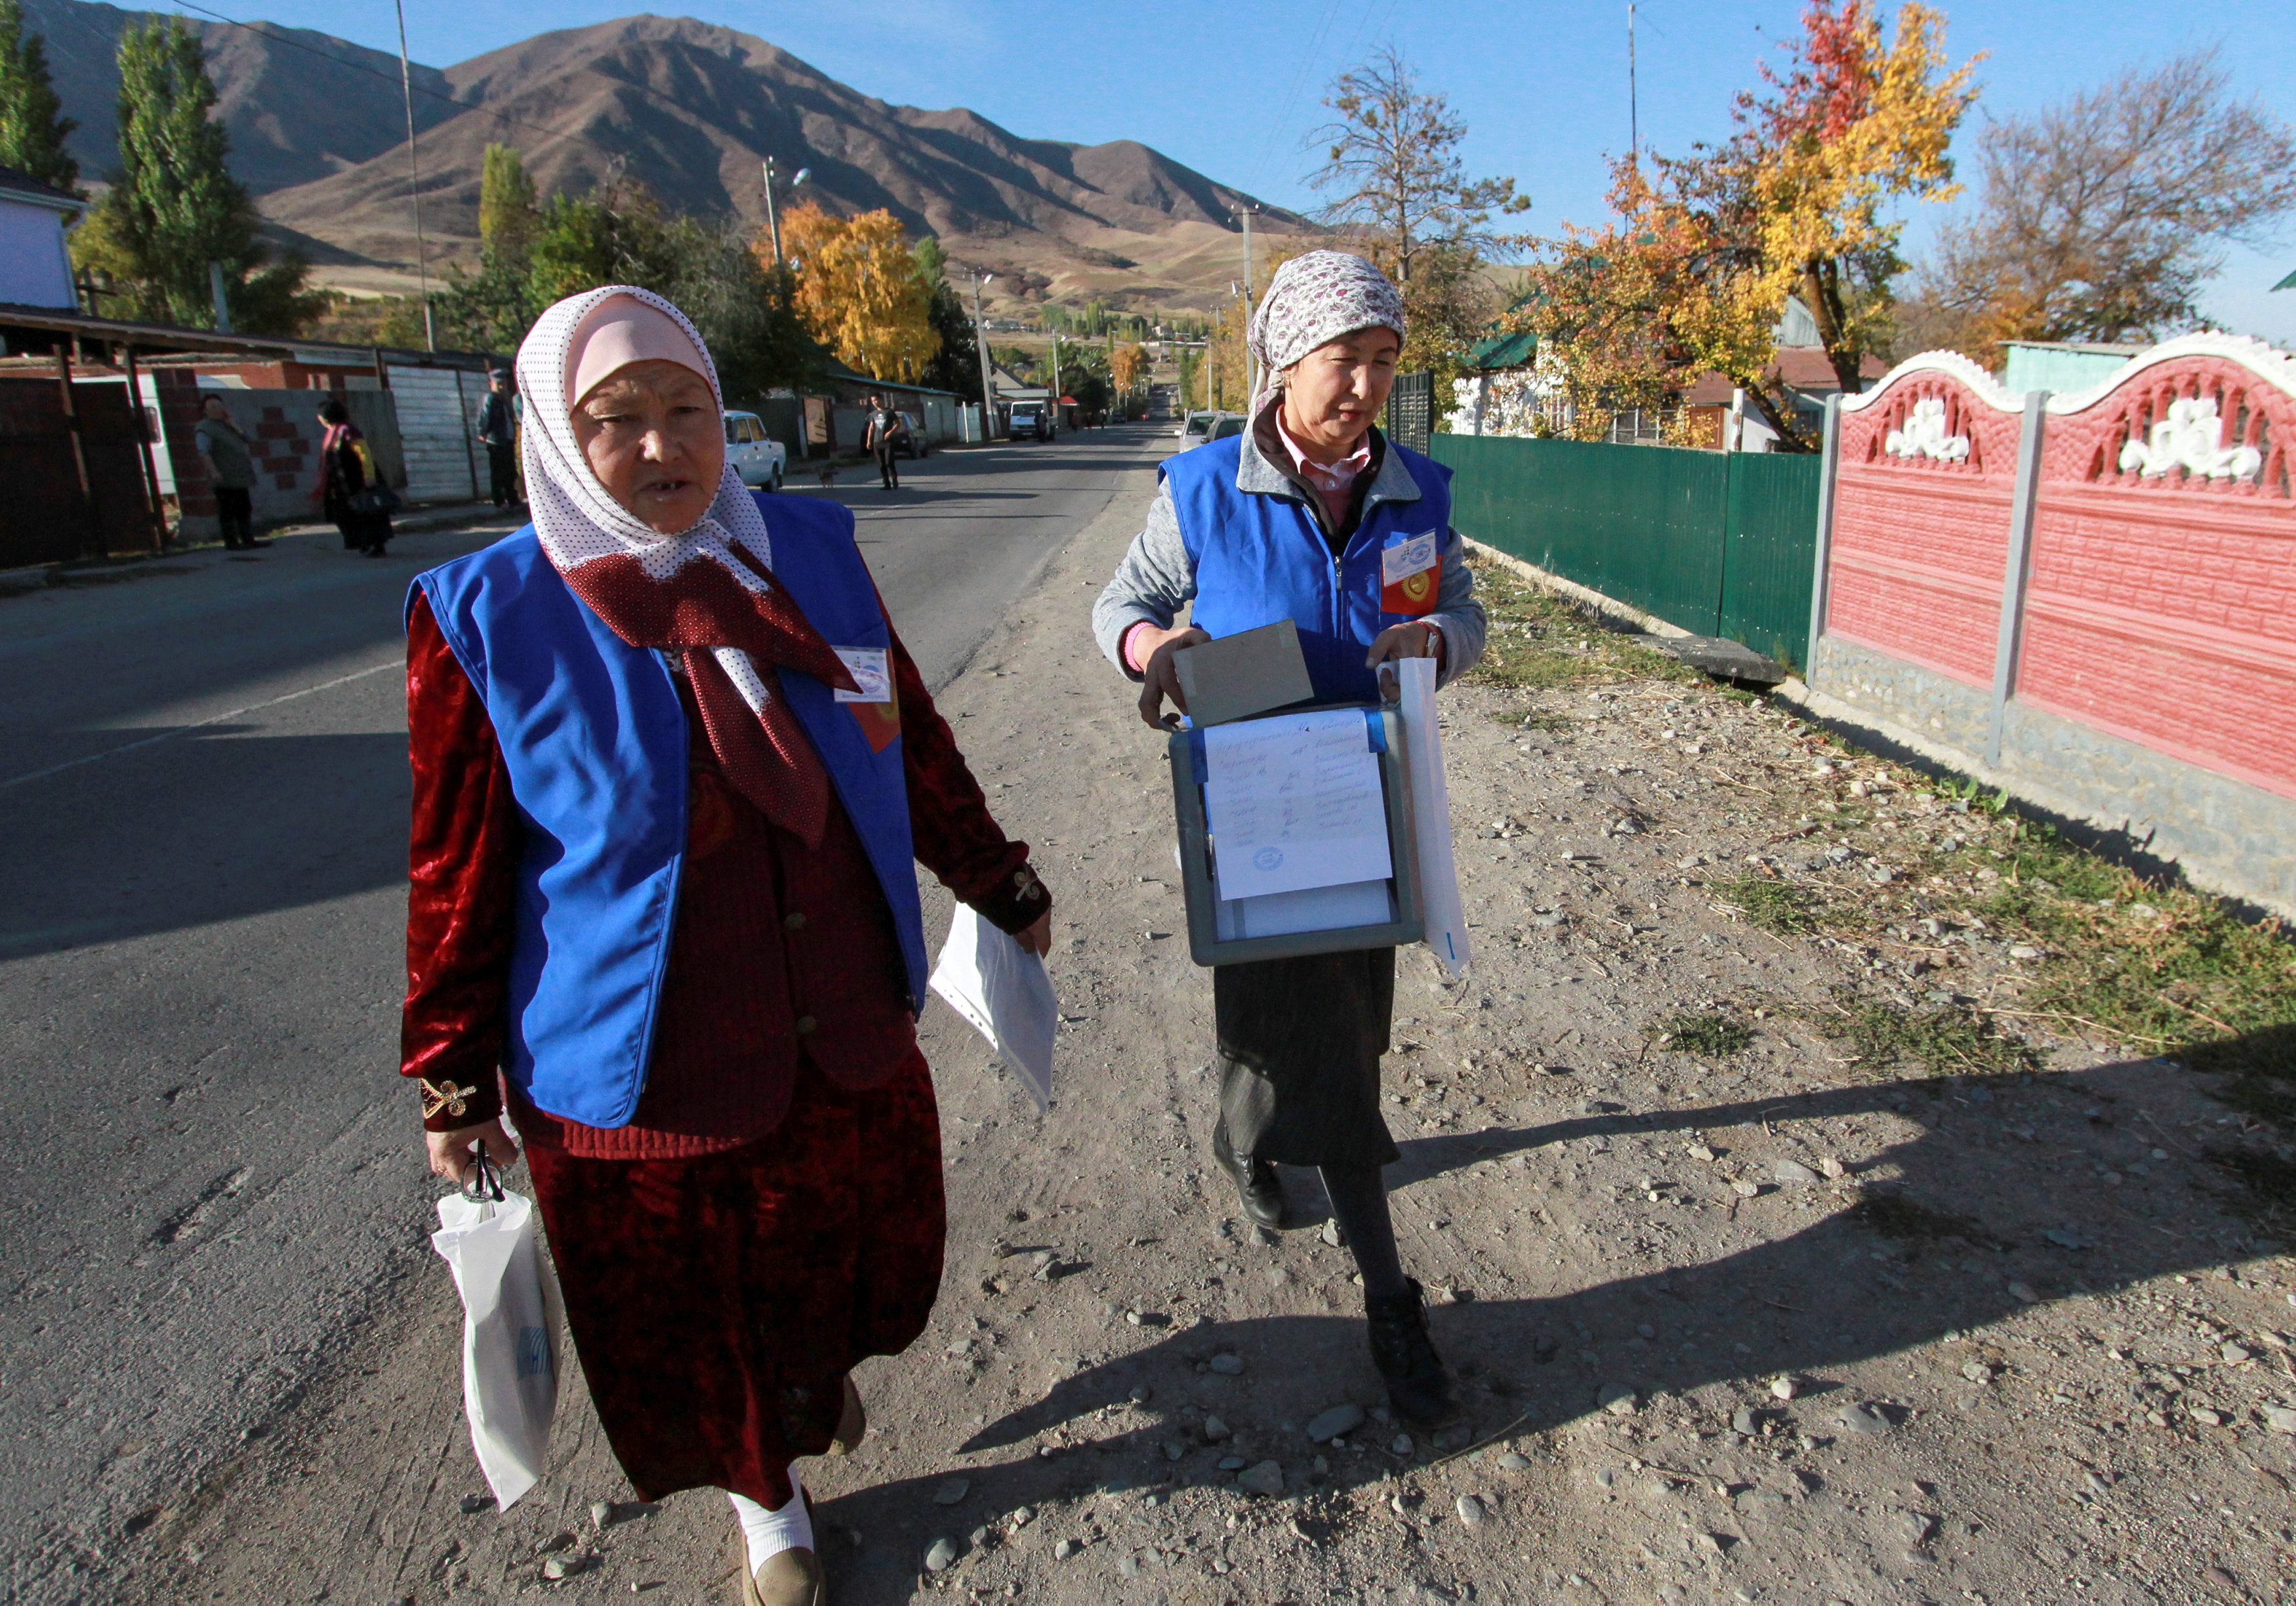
<point>1634,124</point>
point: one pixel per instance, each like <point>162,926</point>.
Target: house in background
<point>2060,366</point>
<point>35,268</point>
<point>1514,390</point>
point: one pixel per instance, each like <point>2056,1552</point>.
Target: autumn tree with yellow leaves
<point>1695,270</point>
<point>859,291</point>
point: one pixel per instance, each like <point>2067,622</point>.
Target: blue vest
<point>1260,558</point>
<point>594,738</point>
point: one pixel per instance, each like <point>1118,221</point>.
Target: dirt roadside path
<point>1744,1313</point>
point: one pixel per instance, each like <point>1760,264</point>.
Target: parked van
<point>1030,420</point>
<point>756,457</point>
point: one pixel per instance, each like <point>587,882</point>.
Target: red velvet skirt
<point>718,1303</point>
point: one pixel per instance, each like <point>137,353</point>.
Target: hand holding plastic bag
<point>511,1314</point>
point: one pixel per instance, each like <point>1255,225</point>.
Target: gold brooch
<point>450,1099</point>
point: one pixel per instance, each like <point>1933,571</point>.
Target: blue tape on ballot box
<point>1374,914</point>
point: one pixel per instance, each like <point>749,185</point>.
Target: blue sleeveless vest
<point>1261,557</point>
<point>595,741</point>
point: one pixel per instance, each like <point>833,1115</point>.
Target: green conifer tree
<point>174,208</point>
<point>32,124</point>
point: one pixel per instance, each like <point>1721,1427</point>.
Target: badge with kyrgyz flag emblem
<point>875,708</point>
<point>1410,574</point>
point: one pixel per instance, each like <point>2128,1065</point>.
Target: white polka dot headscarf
<point>1313,300</point>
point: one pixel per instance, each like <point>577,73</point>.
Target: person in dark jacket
<point>230,463</point>
<point>354,496</point>
<point>1311,515</point>
<point>498,433</point>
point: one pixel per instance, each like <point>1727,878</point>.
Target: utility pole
<point>415,181</point>
<point>980,339</point>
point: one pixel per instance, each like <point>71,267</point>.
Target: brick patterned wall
<point>2163,604</point>
<point>176,392</point>
<point>1920,542</point>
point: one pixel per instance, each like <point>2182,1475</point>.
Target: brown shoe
<point>852,1423</point>
<point>790,1577</point>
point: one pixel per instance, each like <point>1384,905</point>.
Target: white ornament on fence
<point>1925,435</point>
<point>2191,438</point>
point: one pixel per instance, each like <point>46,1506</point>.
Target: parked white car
<point>1196,429</point>
<point>756,457</point>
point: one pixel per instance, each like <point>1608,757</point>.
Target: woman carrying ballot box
<point>1316,517</point>
<point>672,770</point>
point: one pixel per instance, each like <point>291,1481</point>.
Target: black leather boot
<point>1256,1182</point>
<point>1418,1385</point>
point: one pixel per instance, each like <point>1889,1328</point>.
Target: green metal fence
<point>1719,543</point>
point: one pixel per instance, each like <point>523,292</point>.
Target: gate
<point>46,517</point>
<point>1411,410</point>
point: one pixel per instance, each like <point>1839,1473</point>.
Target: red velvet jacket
<point>779,953</point>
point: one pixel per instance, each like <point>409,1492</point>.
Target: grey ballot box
<point>1219,930</point>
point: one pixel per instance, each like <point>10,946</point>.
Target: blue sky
<point>1233,90</point>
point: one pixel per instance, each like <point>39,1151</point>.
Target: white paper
<point>1314,909</point>
<point>1431,805</point>
<point>1002,992</point>
<point>1294,801</point>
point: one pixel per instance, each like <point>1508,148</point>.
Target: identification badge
<point>867,665</point>
<point>1410,575</point>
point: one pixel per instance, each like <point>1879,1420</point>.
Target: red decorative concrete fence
<point>2091,596</point>
<point>2162,605</point>
<point>1922,497</point>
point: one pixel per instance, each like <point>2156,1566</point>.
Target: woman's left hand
<point>1411,639</point>
<point>1037,938</point>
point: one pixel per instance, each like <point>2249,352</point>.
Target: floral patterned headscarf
<point>1313,300</point>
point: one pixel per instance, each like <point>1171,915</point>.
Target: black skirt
<point>1299,1042</point>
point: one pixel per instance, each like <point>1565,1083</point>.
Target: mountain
<point>318,128</point>
<point>298,105</point>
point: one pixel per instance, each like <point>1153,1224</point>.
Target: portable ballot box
<point>1296,834</point>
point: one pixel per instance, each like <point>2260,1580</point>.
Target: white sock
<point>768,1533</point>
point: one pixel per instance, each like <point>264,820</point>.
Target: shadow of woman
<point>2004,1192</point>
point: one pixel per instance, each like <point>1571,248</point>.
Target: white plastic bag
<point>1002,992</point>
<point>511,1314</point>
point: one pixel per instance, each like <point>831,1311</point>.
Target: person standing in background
<point>230,463</point>
<point>498,433</point>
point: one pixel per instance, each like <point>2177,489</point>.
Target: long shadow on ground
<point>1946,1232</point>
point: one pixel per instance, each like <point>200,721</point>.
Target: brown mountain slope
<point>298,105</point>
<point>690,109</point>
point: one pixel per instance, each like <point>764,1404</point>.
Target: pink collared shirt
<point>1334,482</point>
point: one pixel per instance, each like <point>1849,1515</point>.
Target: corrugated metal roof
<point>1514,350</point>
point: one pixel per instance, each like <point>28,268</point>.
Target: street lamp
<point>1251,363</point>
<point>980,342</point>
<point>772,217</point>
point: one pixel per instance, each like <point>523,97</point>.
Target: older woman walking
<point>352,491</point>
<point>1310,516</point>
<point>672,765</point>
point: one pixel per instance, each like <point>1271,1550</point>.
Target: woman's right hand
<point>450,1151</point>
<point>1158,678</point>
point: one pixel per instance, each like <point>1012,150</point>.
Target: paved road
<point>211,1165</point>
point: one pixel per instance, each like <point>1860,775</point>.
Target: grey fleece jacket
<point>1156,578</point>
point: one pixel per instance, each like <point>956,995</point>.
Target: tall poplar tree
<point>32,124</point>
<point>174,208</point>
